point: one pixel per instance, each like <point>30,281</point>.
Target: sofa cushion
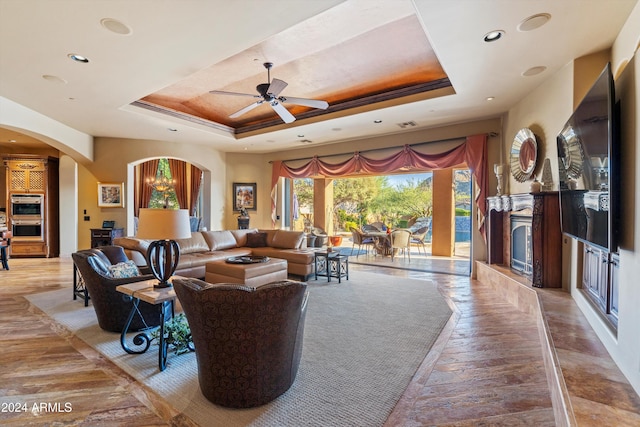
<point>123,270</point>
<point>256,240</point>
<point>241,235</point>
<point>285,239</point>
<point>195,243</point>
<point>220,240</point>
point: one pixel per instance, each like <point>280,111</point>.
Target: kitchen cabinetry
<point>600,281</point>
<point>26,174</point>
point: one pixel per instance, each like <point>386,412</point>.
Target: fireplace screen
<point>521,248</point>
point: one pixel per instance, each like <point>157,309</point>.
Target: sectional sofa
<point>205,246</point>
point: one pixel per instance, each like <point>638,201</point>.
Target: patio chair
<point>418,236</point>
<point>379,226</point>
<point>321,236</point>
<point>360,239</point>
<point>400,240</point>
<point>368,227</point>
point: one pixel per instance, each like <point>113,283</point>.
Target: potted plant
<point>177,334</point>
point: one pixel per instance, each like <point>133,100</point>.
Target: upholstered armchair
<point>248,341</point>
<point>112,309</point>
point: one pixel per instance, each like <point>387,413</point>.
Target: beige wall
<point>113,160</point>
<point>545,111</point>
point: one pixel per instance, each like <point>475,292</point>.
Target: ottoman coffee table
<point>250,273</point>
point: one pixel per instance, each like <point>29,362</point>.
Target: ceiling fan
<point>268,93</point>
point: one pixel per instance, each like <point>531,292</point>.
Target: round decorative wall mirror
<point>570,152</point>
<point>524,154</point>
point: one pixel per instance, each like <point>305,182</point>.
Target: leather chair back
<point>248,341</point>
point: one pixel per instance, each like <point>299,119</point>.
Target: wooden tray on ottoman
<point>252,274</point>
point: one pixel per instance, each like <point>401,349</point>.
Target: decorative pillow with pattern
<point>124,269</point>
<point>256,240</point>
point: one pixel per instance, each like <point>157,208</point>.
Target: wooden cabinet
<point>600,281</point>
<point>105,236</point>
<point>27,174</point>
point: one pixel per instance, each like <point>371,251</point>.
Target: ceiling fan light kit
<point>269,93</point>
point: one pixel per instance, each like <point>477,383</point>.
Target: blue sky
<point>401,179</point>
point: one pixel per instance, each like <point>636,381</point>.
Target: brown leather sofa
<point>112,310</point>
<point>205,246</point>
<point>248,341</point>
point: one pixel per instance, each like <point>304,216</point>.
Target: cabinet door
<point>590,273</point>
<point>614,284</point>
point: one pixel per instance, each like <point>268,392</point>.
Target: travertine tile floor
<point>485,369</point>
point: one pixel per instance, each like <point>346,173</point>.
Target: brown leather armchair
<point>111,307</point>
<point>248,341</point>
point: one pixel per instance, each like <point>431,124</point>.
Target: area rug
<point>364,340</point>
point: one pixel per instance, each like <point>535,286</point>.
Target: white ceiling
<point>174,39</point>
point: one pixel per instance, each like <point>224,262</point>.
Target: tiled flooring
<point>487,367</point>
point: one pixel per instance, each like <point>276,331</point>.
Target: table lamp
<point>163,226</point>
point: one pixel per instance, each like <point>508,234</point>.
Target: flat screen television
<point>589,167</point>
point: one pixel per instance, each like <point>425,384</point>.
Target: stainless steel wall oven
<point>27,205</point>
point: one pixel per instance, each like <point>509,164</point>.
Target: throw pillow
<point>123,270</point>
<point>256,240</point>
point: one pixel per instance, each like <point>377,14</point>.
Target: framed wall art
<point>244,196</point>
<point>110,195</point>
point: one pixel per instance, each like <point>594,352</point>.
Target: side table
<point>331,264</point>
<point>144,291</point>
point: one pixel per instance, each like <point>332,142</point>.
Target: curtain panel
<point>178,170</point>
<point>473,152</point>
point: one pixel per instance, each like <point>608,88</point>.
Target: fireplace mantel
<point>544,210</point>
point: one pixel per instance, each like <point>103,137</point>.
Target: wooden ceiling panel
<point>390,60</point>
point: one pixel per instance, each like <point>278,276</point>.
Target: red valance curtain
<point>473,152</point>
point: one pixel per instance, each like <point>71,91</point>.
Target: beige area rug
<point>364,340</point>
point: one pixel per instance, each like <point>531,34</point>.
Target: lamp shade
<point>163,224</point>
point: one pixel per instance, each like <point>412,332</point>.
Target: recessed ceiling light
<point>12,140</point>
<point>534,21</point>
<point>494,35</point>
<point>490,98</point>
<point>534,71</point>
<point>78,58</point>
<point>115,26</point>
<point>54,79</point>
<point>377,121</point>
<point>300,136</point>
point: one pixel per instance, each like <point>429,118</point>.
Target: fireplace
<point>521,244</point>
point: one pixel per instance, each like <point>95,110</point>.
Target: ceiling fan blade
<point>314,103</point>
<point>284,114</point>
<point>276,87</point>
<point>246,109</point>
<point>221,92</point>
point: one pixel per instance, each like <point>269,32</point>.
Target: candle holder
<point>498,169</point>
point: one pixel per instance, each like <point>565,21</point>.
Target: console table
<point>546,236</point>
<point>105,236</point>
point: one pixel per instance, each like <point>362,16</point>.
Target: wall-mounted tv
<point>589,167</point>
